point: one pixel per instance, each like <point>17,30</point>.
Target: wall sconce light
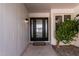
<point>26,20</point>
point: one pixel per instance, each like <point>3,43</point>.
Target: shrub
<point>66,31</point>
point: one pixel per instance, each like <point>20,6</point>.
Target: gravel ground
<point>67,50</point>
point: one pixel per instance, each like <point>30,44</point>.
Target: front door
<point>39,29</point>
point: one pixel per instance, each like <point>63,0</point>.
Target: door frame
<point>47,28</point>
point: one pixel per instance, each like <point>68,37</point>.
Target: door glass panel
<point>39,28</point>
<point>32,27</point>
<point>45,28</point>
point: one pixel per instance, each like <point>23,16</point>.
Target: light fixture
<point>26,20</point>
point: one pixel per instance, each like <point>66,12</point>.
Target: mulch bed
<point>67,50</point>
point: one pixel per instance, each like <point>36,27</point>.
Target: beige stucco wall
<point>39,14</point>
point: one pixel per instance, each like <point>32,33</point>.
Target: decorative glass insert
<point>39,28</point>
<point>67,17</point>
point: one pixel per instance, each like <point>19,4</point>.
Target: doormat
<point>39,43</point>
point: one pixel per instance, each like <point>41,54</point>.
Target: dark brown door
<point>39,29</point>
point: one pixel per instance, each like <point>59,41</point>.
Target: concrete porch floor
<point>39,51</point>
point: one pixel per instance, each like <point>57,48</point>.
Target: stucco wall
<point>41,14</point>
<point>13,29</point>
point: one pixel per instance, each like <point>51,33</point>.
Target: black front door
<point>39,29</point>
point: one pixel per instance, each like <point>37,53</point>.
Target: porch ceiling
<point>45,7</point>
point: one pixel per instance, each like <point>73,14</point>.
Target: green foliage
<point>66,31</point>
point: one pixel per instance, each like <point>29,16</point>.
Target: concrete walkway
<point>39,51</point>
